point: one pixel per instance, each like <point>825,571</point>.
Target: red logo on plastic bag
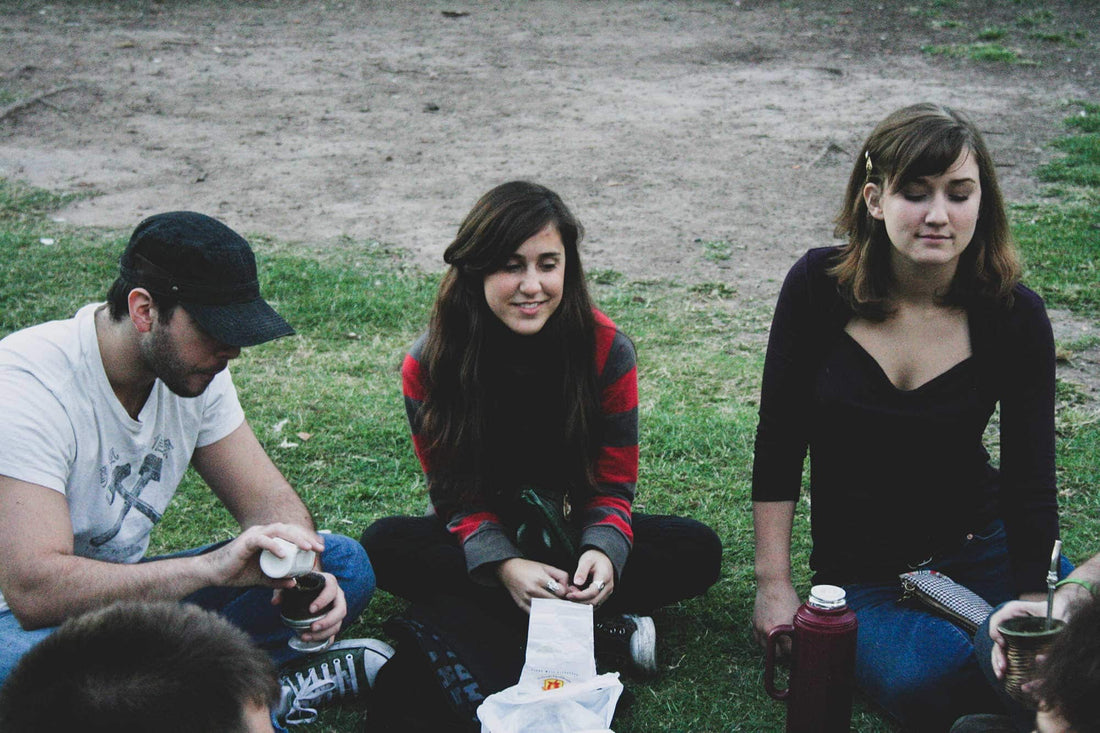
<point>552,683</point>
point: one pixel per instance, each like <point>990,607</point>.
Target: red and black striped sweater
<point>605,515</point>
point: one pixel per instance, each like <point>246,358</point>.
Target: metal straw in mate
<point>1052,580</point>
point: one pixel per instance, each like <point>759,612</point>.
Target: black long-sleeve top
<point>898,476</point>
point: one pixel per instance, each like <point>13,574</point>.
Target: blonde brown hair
<point>913,142</point>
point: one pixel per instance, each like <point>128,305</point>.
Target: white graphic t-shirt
<point>64,428</point>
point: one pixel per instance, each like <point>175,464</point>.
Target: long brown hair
<point>913,142</point>
<point>455,420</point>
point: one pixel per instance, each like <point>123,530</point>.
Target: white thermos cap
<point>296,561</point>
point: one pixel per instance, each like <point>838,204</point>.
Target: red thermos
<point>823,663</point>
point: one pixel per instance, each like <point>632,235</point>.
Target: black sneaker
<point>344,672</point>
<point>628,638</point>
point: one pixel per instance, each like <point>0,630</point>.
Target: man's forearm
<point>244,478</point>
<point>67,585</point>
<point>1089,571</point>
<point>278,504</point>
<point>1071,593</point>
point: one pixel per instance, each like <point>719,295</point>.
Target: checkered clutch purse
<point>957,603</point>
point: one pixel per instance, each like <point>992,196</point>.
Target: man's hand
<point>237,563</point>
<point>1064,601</point>
<point>328,625</point>
<point>527,579</point>
<point>1012,609</point>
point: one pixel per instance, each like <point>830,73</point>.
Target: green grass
<point>1081,164</point>
<point>38,281</point>
<point>1060,239</point>
<point>1066,275</point>
<point>981,51</point>
<point>1050,37</point>
<point>326,404</point>
<point>1009,41</point>
<point>1034,18</point>
<point>717,250</point>
<point>1087,118</point>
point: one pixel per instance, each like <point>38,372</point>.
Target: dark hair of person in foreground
<point>131,666</point>
<point>1069,676</point>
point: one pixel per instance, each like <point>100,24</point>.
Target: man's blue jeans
<point>248,608</point>
<point>918,666</point>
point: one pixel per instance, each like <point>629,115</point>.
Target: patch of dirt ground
<point>668,126</point>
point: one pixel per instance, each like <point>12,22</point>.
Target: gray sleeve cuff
<point>610,542</point>
<point>484,550</point>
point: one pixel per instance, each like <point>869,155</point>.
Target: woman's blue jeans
<point>919,666</point>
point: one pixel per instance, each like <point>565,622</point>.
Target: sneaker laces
<point>319,686</point>
<point>615,628</point>
<point>628,638</point>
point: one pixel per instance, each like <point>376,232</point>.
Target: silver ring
<point>553,586</point>
<point>601,585</point>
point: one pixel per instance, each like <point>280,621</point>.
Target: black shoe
<point>628,638</point>
<point>344,672</point>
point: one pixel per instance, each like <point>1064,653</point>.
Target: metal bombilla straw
<point>1052,581</point>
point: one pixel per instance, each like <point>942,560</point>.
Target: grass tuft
<point>981,52</point>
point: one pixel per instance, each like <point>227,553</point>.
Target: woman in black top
<point>887,358</point>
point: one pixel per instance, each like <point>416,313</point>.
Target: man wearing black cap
<point>103,414</point>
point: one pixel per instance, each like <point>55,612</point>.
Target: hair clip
<point>867,155</point>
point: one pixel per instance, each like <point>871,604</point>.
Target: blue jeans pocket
<point>981,563</point>
<point>994,531</point>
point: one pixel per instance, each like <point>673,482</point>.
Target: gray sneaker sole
<point>643,645</point>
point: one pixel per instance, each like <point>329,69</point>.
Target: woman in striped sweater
<point>523,395</point>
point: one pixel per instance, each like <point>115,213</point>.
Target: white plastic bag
<point>559,644</point>
<point>576,706</point>
<point>558,690</point>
